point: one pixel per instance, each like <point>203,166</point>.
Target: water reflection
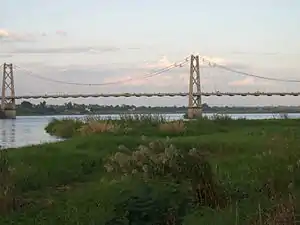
<point>8,135</point>
<point>23,131</point>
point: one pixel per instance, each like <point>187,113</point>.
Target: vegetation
<point>26,108</point>
<point>145,170</point>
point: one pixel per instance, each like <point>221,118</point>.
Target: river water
<point>28,130</point>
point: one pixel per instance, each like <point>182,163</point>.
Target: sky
<point>97,41</point>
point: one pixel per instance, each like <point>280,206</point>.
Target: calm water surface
<point>28,130</point>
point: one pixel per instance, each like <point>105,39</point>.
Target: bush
<point>164,161</point>
<point>64,128</point>
<point>150,203</point>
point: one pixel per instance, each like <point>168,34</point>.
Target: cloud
<point>163,62</point>
<point>249,81</point>
<point>67,50</point>
<point>8,36</point>
<point>3,33</point>
<point>216,60</point>
<point>263,53</point>
<point>174,80</point>
<point>244,82</point>
<point>64,50</point>
<point>5,56</point>
<point>61,33</point>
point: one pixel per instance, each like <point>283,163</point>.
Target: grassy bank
<point>145,170</point>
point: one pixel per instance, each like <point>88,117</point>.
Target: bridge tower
<point>8,102</point>
<point>195,103</point>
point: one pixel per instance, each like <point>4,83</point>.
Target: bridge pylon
<point>8,102</point>
<point>195,103</point>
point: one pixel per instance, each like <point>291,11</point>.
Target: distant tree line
<point>27,108</point>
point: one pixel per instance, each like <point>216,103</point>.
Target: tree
<point>69,105</point>
<point>26,104</point>
<point>42,104</point>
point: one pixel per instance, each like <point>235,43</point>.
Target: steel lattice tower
<point>195,104</point>
<point>8,88</point>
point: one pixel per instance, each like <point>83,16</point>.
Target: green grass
<point>255,164</point>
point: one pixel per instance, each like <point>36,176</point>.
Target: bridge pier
<point>195,112</point>
<point>8,114</point>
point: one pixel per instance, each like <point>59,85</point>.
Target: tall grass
<point>214,171</point>
<point>7,197</point>
<point>69,127</point>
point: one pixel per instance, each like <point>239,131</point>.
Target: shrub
<point>64,128</point>
<point>164,161</point>
<point>150,203</point>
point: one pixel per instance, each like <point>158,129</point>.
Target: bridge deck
<point>179,94</point>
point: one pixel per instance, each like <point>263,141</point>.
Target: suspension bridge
<point>194,94</point>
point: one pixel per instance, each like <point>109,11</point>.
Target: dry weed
<point>98,127</point>
<point>177,126</point>
<point>283,213</point>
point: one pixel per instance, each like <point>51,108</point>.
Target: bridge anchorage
<point>8,102</point>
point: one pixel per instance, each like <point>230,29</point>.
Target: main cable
<point>151,74</point>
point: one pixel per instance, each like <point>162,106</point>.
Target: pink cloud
<point>173,78</point>
<point>3,33</point>
<point>164,80</point>
<point>163,62</point>
<point>61,33</point>
<point>11,36</point>
<point>244,82</point>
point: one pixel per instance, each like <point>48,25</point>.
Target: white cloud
<point>64,50</point>
<point>9,36</point>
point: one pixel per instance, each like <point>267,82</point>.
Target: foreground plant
<point>164,161</point>
<point>6,184</point>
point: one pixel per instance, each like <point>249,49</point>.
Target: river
<point>28,130</point>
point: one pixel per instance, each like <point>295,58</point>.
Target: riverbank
<point>76,113</point>
<point>145,171</point>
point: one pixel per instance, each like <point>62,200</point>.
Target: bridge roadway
<point>175,94</point>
